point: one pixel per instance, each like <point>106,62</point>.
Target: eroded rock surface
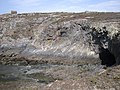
<point>67,47</point>
<point>30,35</point>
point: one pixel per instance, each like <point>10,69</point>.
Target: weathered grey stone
<point>59,34</point>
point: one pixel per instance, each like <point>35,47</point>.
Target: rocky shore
<point>73,48</point>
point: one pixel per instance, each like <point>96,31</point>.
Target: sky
<point>23,6</point>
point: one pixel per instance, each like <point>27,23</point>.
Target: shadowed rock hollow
<point>107,58</point>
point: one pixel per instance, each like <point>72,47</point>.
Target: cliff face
<point>59,34</point>
<point>107,39</point>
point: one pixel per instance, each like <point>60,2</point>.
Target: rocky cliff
<point>71,35</point>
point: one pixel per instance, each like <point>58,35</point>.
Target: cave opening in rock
<point>106,57</point>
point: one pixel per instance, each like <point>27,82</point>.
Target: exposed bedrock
<point>65,35</point>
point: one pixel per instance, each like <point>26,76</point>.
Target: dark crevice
<point>106,57</point>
